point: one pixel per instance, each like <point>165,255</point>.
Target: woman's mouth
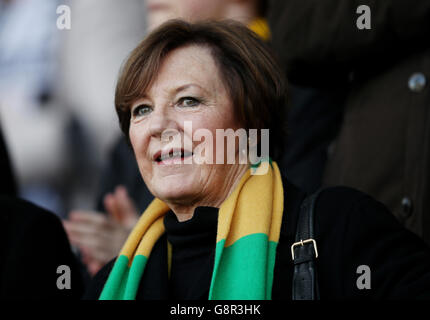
<point>173,156</point>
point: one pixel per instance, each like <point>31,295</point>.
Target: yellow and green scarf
<point>249,223</point>
<point>261,28</point>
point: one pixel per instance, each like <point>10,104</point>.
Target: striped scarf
<point>261,28</point>
<point>249,224</point>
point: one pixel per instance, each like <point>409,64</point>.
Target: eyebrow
<point>175,91</point>
<point>186,86</point>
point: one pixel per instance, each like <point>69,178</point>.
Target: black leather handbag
<point>304,253</point>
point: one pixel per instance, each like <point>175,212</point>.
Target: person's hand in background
<point>98,236</point>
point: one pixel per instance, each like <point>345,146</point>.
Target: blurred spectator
<point>102,34</point>
<point>33,126</point>
<point>245,11</point>
<point>56,93</point>
<point>33,245</point>
<point>382,147</point>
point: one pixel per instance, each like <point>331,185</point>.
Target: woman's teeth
<point>175,154</point>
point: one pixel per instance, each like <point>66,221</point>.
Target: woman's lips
<point>173,156</point>
<point>172,161</point>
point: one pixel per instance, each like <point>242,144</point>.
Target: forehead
<point>192,63</point>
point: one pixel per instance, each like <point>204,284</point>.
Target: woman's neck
<point>185,211</point>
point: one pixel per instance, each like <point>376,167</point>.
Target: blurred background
<point>56,93</point>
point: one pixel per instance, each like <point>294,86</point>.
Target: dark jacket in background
<point>383,147</point>
<point>7,181</point>
<point>313,121</point>
<point>33,244</point>
<point>351,230</point>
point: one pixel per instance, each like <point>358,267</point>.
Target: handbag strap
<point>304,252</point>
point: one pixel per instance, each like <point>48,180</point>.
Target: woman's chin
<point>175,187</point>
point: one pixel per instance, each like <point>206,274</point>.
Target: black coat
<point>351,230</point>
<point>7,181</point>
<point>382,144</point>
<point>33,244</point>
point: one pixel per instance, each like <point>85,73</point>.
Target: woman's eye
<point>141,110</point>
<point>188,102</point>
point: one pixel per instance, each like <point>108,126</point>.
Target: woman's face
<point>189,88</point>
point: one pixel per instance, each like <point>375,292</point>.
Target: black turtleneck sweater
<point>193,249</point>
<point>351,229</point>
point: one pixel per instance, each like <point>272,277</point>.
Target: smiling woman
<point>217,231</point>
<point>209,80</point>
<point>187,88</point>
<point>245,71</point>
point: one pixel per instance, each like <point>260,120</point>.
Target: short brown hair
<point>252,77</point>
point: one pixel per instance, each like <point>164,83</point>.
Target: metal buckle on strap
<point>302,243</point>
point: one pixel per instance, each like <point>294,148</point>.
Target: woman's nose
<point>161,126</point>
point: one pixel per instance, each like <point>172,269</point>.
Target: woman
<point>116,211</point>
<point>224,231</point>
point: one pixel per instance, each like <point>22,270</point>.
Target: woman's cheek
<point>139,143</point>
